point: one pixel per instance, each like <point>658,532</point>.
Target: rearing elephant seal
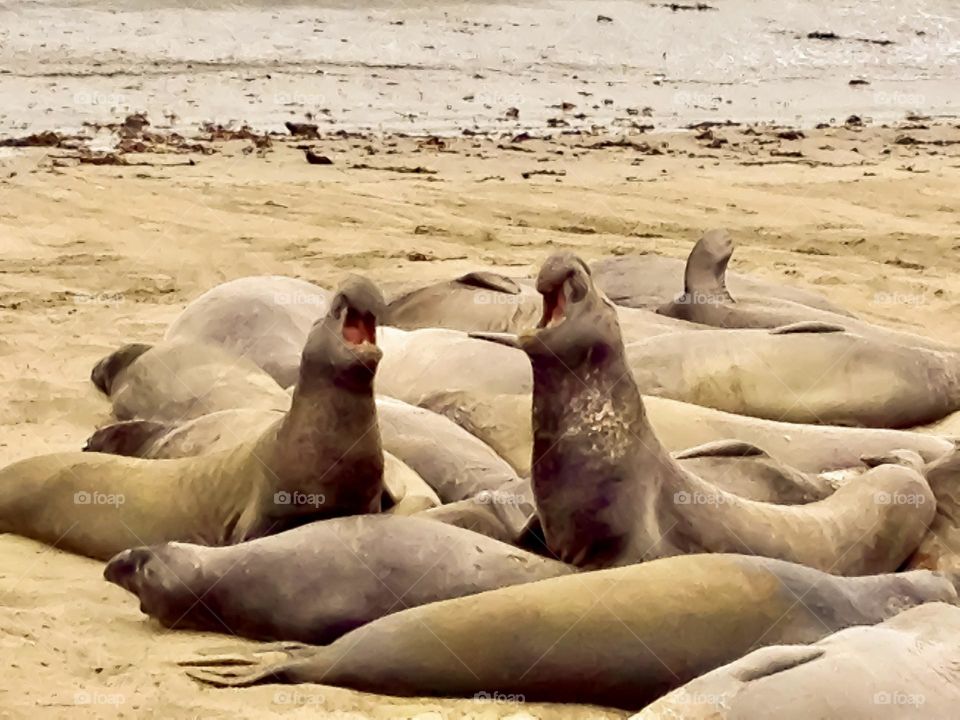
<point>608,493</point>
<point>321,458</point>
<point>265,319</point>
<point>619,637</point>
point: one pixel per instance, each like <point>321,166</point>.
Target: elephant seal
<point>940,549</point>
<point>621,637</point>
<point>706,300</point>
<point>608,493</point>
<point>906,667</point>
<point>265,319</point>
<point>317,582</point>
<point>488,302</point>
<point>178,381</point>
<point>450,460</point>
<point>503,423</point>
<point>649,280</point>
<point>321,458</point>
<point>802,374</point>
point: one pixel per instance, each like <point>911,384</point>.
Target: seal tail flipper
<point>705,275</point>
<point>508,339</point>
<point>246,669</point>
<point>721,448</point>
<point>490,281</point>
<point>907,458</point>
<point>132,438</point>
<point>807,326</point>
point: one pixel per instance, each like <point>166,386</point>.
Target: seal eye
<point>359,328</point>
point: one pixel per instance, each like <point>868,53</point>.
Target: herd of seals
<point>574,488</point>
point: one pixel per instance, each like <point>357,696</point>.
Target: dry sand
<point>95,256</point>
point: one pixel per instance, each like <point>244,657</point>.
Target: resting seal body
<point>322,458</point>
<point>905,668</point>
<point>317,582</point>
<point>706,300</point>
<point>650,280</point>
<point>178,381</point>
<point>265,319</point>
<point>619,637</point>
<point>608,493</point>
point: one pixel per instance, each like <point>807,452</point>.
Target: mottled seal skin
<point>619,637</point>
<point>176,381</point>
<point>706,300</point>
<point>608,493</point>
<point>320,459</point>
<point>907,668</point>
<point>265,319</point>
<point>649,280</point>
<point>317,582</point>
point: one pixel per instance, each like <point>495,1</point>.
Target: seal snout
<point>124,568</point>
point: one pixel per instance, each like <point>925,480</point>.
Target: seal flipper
<point>807,326</point>
<point>508,339</point>
<point>132,438</point>
<point>705,276</point>
<point>244,670</point>
<point>772,660</point>
<point>485,280</point>
<point>721,448</point>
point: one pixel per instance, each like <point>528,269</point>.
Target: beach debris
<point>47,138</point>
<point>858,81</point>
<point>418,170</point>
<point>315,158</point>
<point>700,7</point>
<point>853,121</point>
<point>512,113</point>
<point>604,19</point>
<point>530,173</point>
<point>308,130</point>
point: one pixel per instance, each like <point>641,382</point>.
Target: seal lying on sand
<point>317,582</point>
<point>649,281</point>
<point>608,493</point>
<point>705,300</point>
<point>264,319</point>
<point>907,667</point>
<point>503,423</point>
<point>488,302</point>
<point>448,458</point>
<point>619,637</point>
<point>174,382</point>
<point>320,459</point>
<point>940,549</point>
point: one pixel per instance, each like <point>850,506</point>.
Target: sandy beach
<point>107,233</point>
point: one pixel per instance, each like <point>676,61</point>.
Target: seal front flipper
<point>130,437</point>
<point>489,281</point>
<point>721,448</point>
<point>808,326</point>
<point>508,339</point>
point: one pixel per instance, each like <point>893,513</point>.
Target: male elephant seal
<point>321,458</point>
<point>649,280</point>
<point>903,669</point>
<point>608,493</point>
<point>265,319</point>
<point>619,637</point>
<point>317,582</point>
<point>706,300</point>
<point>178,381</point>
<point>940,549</point>
<point>448,458</point>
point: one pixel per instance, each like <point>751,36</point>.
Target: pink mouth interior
<point>359,328</point>
<point>554,306</point>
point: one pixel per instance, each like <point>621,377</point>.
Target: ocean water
<point>442,67</point>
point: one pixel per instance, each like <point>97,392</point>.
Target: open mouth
<point>359,328</point>
<point>554,308</point>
